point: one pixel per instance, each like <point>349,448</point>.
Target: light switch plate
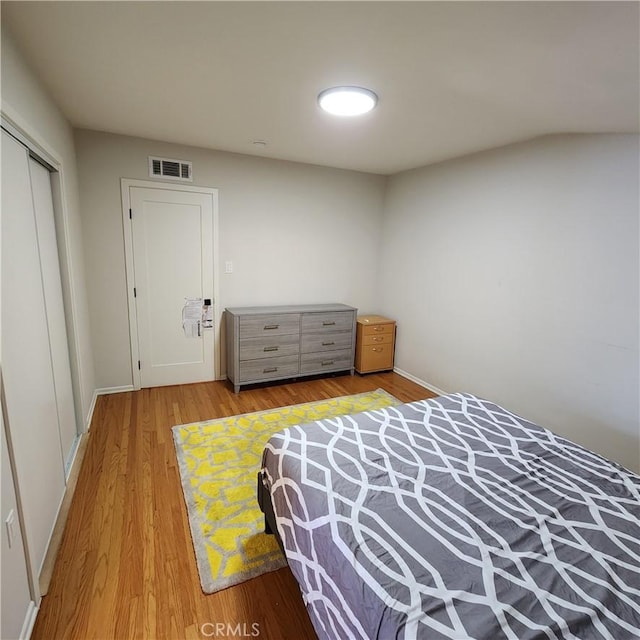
<point>228,266</point>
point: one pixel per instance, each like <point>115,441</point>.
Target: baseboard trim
<point>422,383</point>
<point>105,391</point>
<point>29,621</point>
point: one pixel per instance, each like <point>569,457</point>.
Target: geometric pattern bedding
<point>454,518</point>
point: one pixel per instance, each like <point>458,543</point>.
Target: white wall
<point>514,274</point>
<point>26,103</point>
<point>296,234</point>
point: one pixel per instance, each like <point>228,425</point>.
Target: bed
<point>453,518</point>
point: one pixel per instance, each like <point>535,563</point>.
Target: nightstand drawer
<point>269,346</point>
<point>379,338</point>
<point>268,368</point>
<point>378,329</point>
<point>375,358</point>
<point>269,325</point>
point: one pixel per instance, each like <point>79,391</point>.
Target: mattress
<point>454,518</point>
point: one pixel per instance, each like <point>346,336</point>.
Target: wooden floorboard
<point>126,566</point>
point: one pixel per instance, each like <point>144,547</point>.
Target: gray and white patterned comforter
<point>454,518</point>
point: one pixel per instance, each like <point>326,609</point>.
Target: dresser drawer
<point>327,322</point>
<point>269,325</point>
<point>312,342</point>
<point>269,346</point>
<point>326,361</point>
<point>269,368</point>
<point>379,338</point>
<point>374,358</point>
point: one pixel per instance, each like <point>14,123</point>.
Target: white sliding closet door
<point>52,286</point>
<point>32,410</point>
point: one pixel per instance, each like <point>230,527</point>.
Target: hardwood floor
<point>126,566</point>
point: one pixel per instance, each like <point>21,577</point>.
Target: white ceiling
<point>452,77</point>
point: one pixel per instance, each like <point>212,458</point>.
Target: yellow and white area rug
<point>219,461</point>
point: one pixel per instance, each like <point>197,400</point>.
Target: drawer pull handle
<point>326,363</point>
<point>270,349</point>
<point>377,339</point>
<point>378,328</point>
<point>327,344</point>
<point>328,324</point>
<point>270,370</point>
<point>377,349</point>
<point>270,326</point>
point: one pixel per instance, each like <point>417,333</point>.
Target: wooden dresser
<point>275,343</point>
<point>375,343</point>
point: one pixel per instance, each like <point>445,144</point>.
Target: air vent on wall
<point>170,169</point>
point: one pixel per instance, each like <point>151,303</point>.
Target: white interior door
<point>172,246</point>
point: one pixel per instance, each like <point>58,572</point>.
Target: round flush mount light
<point>347,101</point>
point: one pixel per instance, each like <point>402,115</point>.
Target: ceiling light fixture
<point>347,101</point>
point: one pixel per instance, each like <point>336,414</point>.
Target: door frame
<point>125,185</point>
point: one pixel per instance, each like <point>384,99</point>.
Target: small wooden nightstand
<point>375,343</point>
